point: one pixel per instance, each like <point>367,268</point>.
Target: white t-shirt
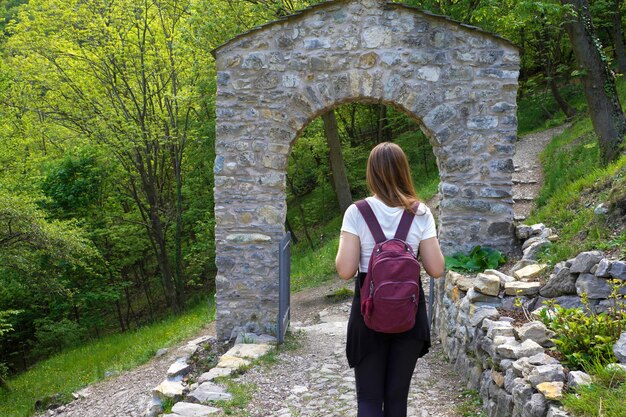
<point>423,226</point>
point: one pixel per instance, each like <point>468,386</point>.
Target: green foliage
<point>479,259</point>
<point>471,405</point>
<point>55,336</point>
<point>341,294</point>
<point>80,366</point>
<point>584,337</point>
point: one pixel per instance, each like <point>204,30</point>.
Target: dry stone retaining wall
<point>458,82</point>
<point>506,362</point>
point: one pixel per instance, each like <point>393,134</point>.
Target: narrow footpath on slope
<point>314,379</point>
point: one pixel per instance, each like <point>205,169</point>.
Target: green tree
<point>121,75</point>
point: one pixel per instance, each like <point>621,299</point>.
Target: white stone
<point>504,278</point>
<point>232,362</point>
<point>578,378</point>
<point>184,409</point>
<point>249,351</point>
<point>429,73</point>
<point>209,392</point>
<point>619,349</point>
<point>180,367</point>
<point>529,272</point>
<point>522,288</point>
<point>376,36</point>
<point>214,373</point>
<point>169,389</point>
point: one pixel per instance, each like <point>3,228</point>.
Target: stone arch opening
<point>310,173</point>
<point>460,83</point>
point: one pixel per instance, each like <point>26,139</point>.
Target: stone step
<point>524,181</point>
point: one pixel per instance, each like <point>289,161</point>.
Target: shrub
<point>584,337</point>
<point>479,259</point>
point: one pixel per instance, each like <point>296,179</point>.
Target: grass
<point>603,398</point>
<point>74,369</point>
<point>471,405</point>
<point>575,182</point>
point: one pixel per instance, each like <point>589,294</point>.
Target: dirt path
<point>314,379</point>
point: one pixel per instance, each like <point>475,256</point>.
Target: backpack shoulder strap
<point>370,219</point>
<point>405,225</point>
<point>405,222</point>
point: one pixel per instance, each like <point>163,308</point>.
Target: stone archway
<point>458,81</point>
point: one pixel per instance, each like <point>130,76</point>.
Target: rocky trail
<point>313,379</point>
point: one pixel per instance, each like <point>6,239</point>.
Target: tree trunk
<point>569,111</point>
<point>301,211</point>
<point>605,109</point>
<point>382,127</point>
<point>337,167</point>
<point>543,42</point>
<point>618,37</point>
<point>156,231</point>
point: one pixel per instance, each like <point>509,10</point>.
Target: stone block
<point>532,252</point>
<point>560,283</point>
<point>536,407</point>
<point>487,284</point>
<point>536,331</point>
<point>619,349</point>
<point>180,367</point>
<point>474,296</point>
<point>500,328</point>
<point>603,268</point>
<point>522,288</point>
<point>208,391</point>
<point>593,286</point>
<point>585,261</point>
<point>553,391</point>
<point>578,379</point>
<point>531,271</point>
<point>556,411</point>
<point>232,362</point>
<point>546,373</point>
<point>618,270</point>
<point>169,389</point>
<point>523,231</point>
<point>478,314</point>
<point>504,278</point>
<point>248,350</point>
<point>185,409</point>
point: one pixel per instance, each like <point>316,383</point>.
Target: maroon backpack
<point>390,290</point>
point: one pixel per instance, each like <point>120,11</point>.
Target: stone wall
<point>458,82</point>
<point>506,361</point>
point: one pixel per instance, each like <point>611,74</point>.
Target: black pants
<point>383,378</point>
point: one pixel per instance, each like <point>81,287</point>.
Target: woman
<point>384,363</point>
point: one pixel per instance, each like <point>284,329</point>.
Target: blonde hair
<point>389,177</point>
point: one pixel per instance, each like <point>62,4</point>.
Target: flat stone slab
<point>551,390</point>
<point>529,272</point>
<point>208,392</point>
<point>487,284</point>
<point>168,389</point>
<point>248,351</point>
<point>180,367</point>
<point>214,373</point>
<point>232,362</point>
<point>184,409</point>
<point>522,288</point>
